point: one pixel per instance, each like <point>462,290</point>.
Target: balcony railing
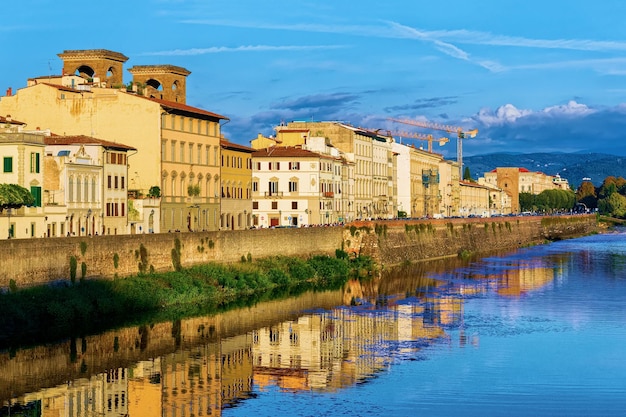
<point>329,194</point>
<point>273,193</point>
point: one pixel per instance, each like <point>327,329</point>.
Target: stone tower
<point>102,64</point>
<point>167,82</point>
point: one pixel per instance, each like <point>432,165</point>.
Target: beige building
<point>515,180</point>
<point>474,200</point>
<point>371,154</point>
<point>236,195</point>
<point>425,183</point>
<point>178,146</point>
<point>449,189</point>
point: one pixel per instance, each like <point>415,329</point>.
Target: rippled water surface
<point>537,332</point>
<point>541,332</point>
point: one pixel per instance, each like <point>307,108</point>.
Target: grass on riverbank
<point>48,313</point>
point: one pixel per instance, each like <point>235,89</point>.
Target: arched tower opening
<point>166,82</point>
<point>97,64</point>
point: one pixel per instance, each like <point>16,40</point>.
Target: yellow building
<point>178,145</point>
<point>236,197</point>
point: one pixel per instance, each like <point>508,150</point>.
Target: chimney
<point>9,92</point>
<point>8,118</point>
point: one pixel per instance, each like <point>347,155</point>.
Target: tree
<point>154,192</point>
<point>586,194</point>
<point>613,205</point>
<point>526,201</point>
<point>13,196</point>
<point>467,176</point>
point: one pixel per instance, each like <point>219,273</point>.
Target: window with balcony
<point>273,187</point>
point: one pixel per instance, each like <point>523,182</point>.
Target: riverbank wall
<point>30,262</point>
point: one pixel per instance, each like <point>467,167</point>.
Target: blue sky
<point>530,75</point>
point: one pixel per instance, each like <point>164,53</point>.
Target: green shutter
<point>8,164</point>
<point>36,192</point>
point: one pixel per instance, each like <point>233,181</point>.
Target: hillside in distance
<point>572,166</point>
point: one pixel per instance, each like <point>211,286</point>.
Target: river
<point>536,332</point>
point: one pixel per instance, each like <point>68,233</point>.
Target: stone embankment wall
<point>395,242</point>
<point>32,262</point>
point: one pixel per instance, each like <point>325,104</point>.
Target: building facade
<point>236,186</point>
<point>178,145</point>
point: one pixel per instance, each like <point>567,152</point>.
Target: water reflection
<point>321,342</point>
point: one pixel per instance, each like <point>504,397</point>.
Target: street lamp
<point>87,222</point>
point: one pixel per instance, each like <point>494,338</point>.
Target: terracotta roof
<point>185,108</point>
<point>85,140</point>
<point>10,121</point>
<point>288,152</point>
<point>472,184</point>
<point>164,103</point>
<point>64,88</point>
<point>235,146</point>
<point>294,130</point>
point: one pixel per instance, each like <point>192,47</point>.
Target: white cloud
<point>243,48</point>
<point>571,108</point>
<point>504,114</point>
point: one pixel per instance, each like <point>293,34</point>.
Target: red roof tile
<point>84,140</point>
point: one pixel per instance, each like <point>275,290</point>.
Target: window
<point>34,162</point>
<point>36,192</point>
<point>8,164</point>
<point>255,205</point>
<point>199,152</point>
<point>173,156</point>
<point>115,181</point>
<point>294,166</point>
<point>293,186</point>
<point>182,152</point>
<point>123,183</point>
<point>274,205</point>
<point>273,187</point>
<point>191,153</point>
<point>258,166</point>
<point>294,205</point>
<point>255,186</point>
<point>109,182</point>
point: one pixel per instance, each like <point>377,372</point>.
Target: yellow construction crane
<point>420,136</point>
<point>461,134</point>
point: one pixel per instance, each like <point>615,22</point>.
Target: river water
<point>537,332</point>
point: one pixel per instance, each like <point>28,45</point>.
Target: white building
<point>87,188</point>
<point>292,186</point>
<point>22,155</point>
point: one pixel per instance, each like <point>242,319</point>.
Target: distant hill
<point>572,166</point>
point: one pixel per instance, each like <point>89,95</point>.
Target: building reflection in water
<point>200,366</point>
